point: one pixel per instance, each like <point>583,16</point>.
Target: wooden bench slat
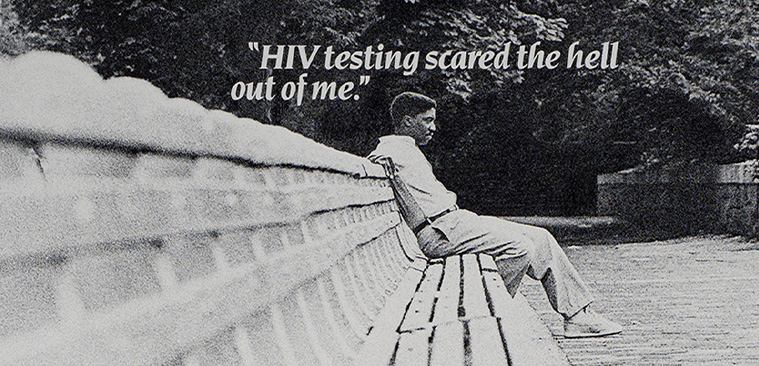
<point>244,346</point>
<point>526,347</point>
<point>381,342</point>
<point>448,344</point>
<point>485,343</point>
<point>358,295</point>
<point>295,338</point>
<point>320,254</point>
<point>389,279</point>
<point>499,297</point>
<point>475,302</point>
<point>493,329</point>
<point>420,310</point>
<point>540,341</point>
<point>378,350</point>
<point>413,348</point>
<point>82,211</point>
<point>447,306</point>
<point>514,332</point>
<point>332,335</point>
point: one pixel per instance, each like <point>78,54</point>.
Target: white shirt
<point>416,172</point>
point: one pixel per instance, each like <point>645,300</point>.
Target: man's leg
<point>566,291</point>
<point>517,249</point>
<point>520,249</point>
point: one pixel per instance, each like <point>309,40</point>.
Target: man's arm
<point>384,150</point>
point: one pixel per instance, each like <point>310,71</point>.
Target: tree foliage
<point>688,80</point>
<point>12,34</point>
<point>183,46</point>
<point>463,26</point>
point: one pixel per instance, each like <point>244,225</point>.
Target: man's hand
<point>387,163</point>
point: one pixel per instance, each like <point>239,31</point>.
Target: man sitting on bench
<point>448,230</point>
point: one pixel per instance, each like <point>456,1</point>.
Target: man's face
<point>422,126</point>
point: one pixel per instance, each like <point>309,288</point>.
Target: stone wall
<point>139,229</point>
<point>719,198</point>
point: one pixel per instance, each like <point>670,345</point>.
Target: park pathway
<point>689,301</point>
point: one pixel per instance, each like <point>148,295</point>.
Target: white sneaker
<point>587,323</point>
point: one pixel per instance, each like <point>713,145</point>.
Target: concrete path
<point>690,301</point>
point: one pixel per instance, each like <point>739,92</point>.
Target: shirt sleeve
<point>382,151</point>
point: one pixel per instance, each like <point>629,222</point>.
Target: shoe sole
<point>591,335</point>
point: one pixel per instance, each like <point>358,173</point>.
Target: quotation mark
<point>362,80</point>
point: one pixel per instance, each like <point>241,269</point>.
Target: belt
<point>431,219</point>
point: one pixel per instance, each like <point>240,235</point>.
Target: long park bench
<point>136,229</point>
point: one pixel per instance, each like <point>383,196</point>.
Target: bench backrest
<point>139,229</point>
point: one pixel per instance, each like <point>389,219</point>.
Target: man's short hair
<point>409,104</point>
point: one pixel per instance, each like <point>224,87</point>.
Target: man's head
<point>414,115</point>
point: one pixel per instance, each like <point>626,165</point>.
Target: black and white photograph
<point>379,182</point>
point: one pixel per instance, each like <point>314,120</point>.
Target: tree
<point>461,26</point>
<point>188,49</point>
<point>12,34</point>
<point>686,85</point>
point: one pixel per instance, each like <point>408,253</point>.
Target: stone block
<point>191,255</point>
<point>265,349</point>
<point>59,160</point>
<point>19,161</point>
<point>154,167</point>
<point>270,239</point>
<point>219,350</point>
<point>240,247</point>
<point>115,277</point>
<point>295,333</point>
<point>215,170</point>
<point>28,296</point>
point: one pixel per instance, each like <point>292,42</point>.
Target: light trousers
<point>518,249</point>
